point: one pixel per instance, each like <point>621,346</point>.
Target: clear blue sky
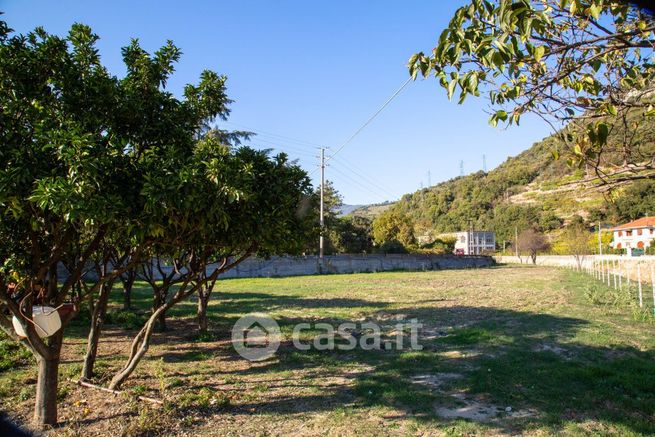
<point>314,71</point>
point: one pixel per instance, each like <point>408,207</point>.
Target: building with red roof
<point>634,237</point>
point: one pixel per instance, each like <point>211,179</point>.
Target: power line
<point>357,172</point>
<point>272,134</point>
<point>389,100</point>
<point>361,187</point>
<point>366,185</point>
<point>285,148</point>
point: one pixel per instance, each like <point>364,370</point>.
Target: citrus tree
<point>94,167</point>
<point>589,62</point>
<point>226,204</point>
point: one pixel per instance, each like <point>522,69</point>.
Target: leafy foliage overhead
<point>563,60</point>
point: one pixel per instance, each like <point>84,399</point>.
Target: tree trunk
<point>128,283</point>
<point>45,407</point>
<point>203,299</point>
<point>161,322</point>
<point>138,349</point>
<point>158,301</point>
<point>141,342</point>
<point>97,321</point>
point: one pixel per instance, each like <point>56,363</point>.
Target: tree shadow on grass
<point>493,359</point>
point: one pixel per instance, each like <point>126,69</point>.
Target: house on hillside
<point>474,242</point>
<point>634,237</point>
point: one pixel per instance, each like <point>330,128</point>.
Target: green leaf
<point>501,115</point>
<point>594,10</point>
<point>539,53</point>
<point>574,7</point>
<point>473,83</point>
<point>602,132</point>
<point>451,88</point>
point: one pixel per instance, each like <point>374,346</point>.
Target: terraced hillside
<point>532,188</point>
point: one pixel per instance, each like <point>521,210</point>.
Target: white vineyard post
<point>652,281</point>
<point>641,297</point>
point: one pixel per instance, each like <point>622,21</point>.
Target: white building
<point>634,237</point>
<point>475,242</point>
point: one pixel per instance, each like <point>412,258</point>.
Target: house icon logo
<point>256,337</point>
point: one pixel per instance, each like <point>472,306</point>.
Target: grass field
<point>506,350</point>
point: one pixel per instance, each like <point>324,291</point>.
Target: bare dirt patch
<point>480,411</point>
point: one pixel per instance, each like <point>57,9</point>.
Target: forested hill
<point>529,190</point>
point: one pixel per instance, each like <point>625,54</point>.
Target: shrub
<point>392,246</point>
<point>126,319</point>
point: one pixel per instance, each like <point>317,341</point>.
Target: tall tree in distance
<point>332,200</point>
<point>584,64</point>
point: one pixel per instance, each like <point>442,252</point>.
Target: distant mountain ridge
<point>348,209</point>
<point>371,211</point>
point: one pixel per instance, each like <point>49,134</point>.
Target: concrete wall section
<point>296,266</point>
<point>309,265</point>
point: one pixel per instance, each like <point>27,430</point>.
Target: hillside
<point>371,211</point>
<point>531,189</point>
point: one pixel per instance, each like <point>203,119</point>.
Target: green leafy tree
<point>233,202</point>
<point>332,201</point>
<point>635,201</point>
<point>74,139</point>
<point>343,234</point>
<point>574,241</point>
<point>441,245</point>
<point>351,234</point>
<point>586,61</point>
<point>332,204</point>
<point>606,238</point>
<point>95,167</point>
<point>392,226</point>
